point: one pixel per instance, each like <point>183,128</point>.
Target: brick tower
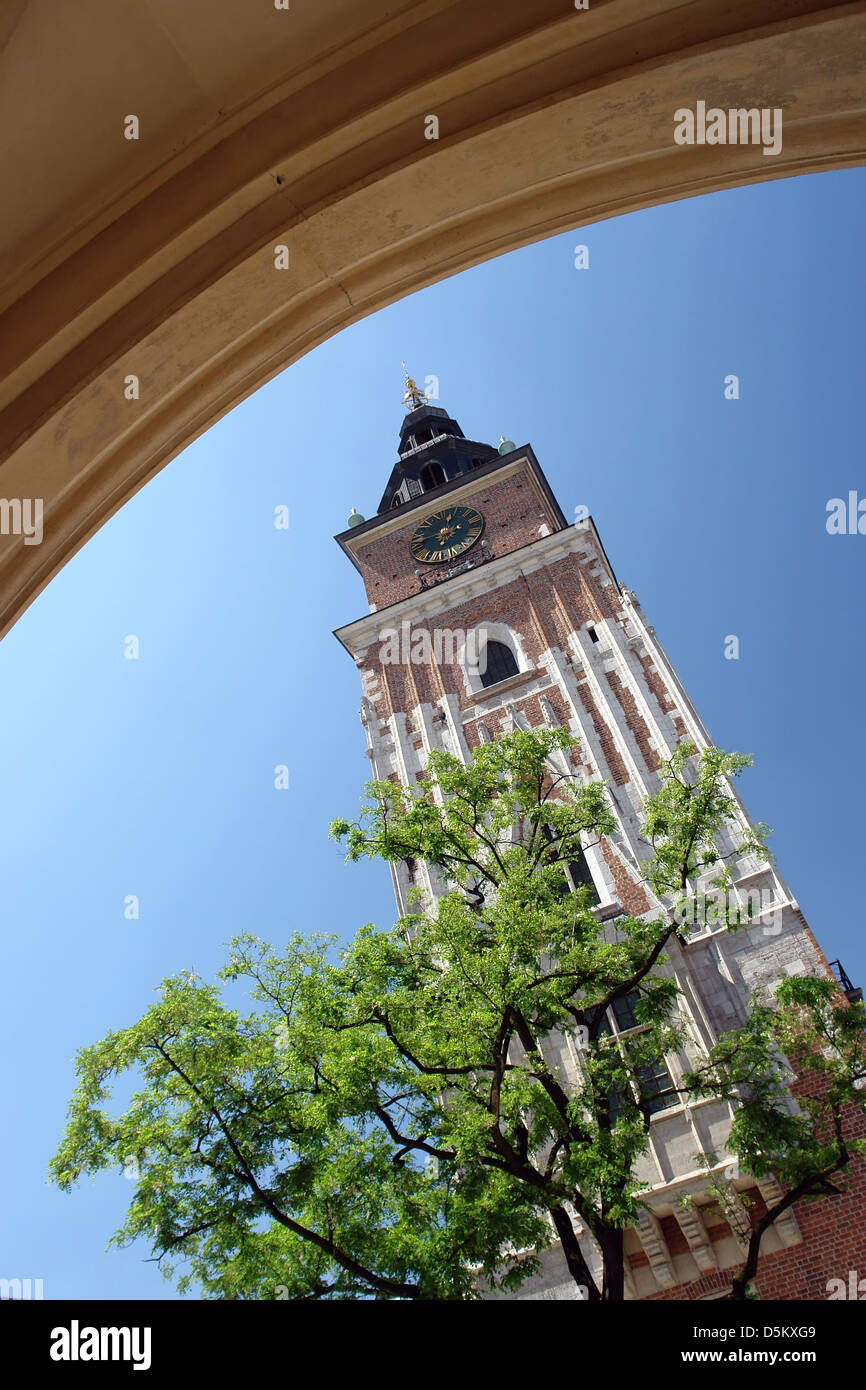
<point>519,621</point>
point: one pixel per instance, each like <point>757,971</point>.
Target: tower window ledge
<point>750,874</point>
<point>606,912</point>
<point>492,691</point>
<point>682,1111</point>
<point>696,935</point>
<point>475,711</point>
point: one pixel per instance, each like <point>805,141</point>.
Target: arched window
<point>499,664</point>
<point>432,476</point>
<point>578,875</point>
<point>581,877</point>
<point>396,500</point>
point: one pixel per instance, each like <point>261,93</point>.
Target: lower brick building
<point>489,611</point>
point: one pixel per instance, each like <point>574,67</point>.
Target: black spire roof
<point>433,450</point>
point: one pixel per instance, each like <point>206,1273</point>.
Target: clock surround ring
<point>446,534</point>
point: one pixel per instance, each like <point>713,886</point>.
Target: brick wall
<point>513,513</point>
<point>543,609</point>
<point>834,1240</point>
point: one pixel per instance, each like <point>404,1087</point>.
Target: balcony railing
<point>852,994</point>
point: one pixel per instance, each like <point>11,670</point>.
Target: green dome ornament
<point>355,518</point>
<point>506,445</point>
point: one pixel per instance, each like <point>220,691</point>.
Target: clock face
<point>446,534</point>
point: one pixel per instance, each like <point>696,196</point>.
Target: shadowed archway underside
<point>306,127</point>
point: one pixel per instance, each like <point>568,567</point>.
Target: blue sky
<point>155,777</point>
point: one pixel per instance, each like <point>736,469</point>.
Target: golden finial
<point>413,396</point>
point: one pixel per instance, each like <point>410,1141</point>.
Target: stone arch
<point>471,652</point>
<point>283,188</point>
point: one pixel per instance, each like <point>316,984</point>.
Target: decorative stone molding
<point>691,1224</point>
<point>656,1249</point>
<point>736,1213</point>
<point>786,1225</point>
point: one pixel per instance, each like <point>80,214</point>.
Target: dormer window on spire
<point>432,475</point>
<point>427,429</point>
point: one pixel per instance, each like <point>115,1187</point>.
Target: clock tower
<point>489,611</point>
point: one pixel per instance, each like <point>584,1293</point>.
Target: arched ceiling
<point>306,127</point>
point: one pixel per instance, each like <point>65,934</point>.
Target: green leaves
<point>682,819</point>
<point>405,1119</point>
<point>809,1033</point>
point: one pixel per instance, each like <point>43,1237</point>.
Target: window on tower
<point>652,1087</point>
<point>581,877</point>
<point>499,665</point>
<point>576,874</point>
<point>657,1090</point>
<point>432,476</point>
<point>623,1010</point>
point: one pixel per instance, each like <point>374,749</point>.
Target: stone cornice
<point>582,536</point>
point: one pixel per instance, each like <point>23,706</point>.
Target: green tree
<point>812,1033</point>
<point>394,1122</point>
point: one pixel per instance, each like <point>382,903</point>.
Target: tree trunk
<point>611,1242</point>
<point>577,1266</point>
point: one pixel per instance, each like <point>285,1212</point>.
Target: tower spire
<point>414,396</point>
